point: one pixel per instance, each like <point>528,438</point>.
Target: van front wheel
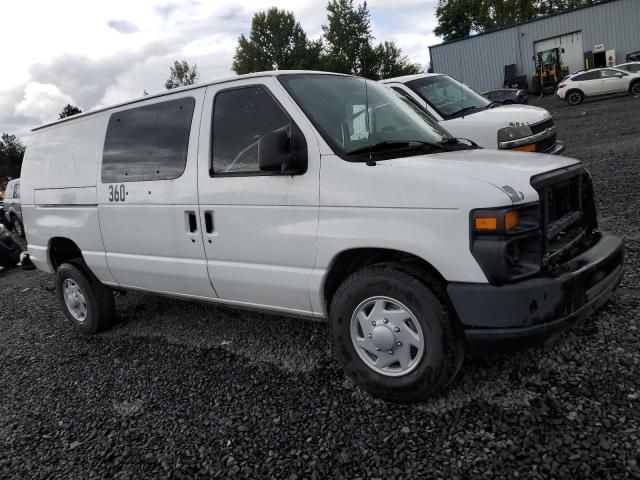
<point>88,305</point>
<point>393,334</point>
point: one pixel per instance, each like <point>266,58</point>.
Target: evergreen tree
<point>68,111</point>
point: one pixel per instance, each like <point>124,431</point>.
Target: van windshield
<point>447,96</point>
<point>352,117</point>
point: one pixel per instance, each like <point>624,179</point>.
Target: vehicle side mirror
<point>276,155</point>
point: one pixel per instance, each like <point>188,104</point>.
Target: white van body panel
<point>275,237</point>
<point>481,127</point>
<point>59,200</point>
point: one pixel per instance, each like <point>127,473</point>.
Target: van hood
<point>511,172</point>
<point>509,115</point>
<point>482,127</point>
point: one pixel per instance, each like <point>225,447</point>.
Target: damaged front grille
<point>568,216</point>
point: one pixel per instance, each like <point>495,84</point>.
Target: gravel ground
<point>187,390</point>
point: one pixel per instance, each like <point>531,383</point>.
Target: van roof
<point>271,73</point>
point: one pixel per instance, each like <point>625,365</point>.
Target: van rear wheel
<point>88,305</point>
<point>394,335</point>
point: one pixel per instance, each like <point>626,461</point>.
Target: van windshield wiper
<point>463,111</point>
<point>398,145</point>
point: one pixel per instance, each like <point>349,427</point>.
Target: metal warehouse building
<point>595,36</point>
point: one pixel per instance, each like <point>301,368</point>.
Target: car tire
<point>18,226</point>
<point>574,97</point>
<point>635,88</point>
<point>413,321</point>
<point>88,304</point>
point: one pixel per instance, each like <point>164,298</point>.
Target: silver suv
<point>12,207</point>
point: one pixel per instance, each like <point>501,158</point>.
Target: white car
<point>631,67</point>
<point>598,81</point>
<point>317,195</point>
<point>466,114</point>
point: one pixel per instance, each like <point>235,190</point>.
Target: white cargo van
<point>317,195</point>
<point>466,114</point>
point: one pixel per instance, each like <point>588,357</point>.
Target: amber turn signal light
<point>511,220</point>
<point>525,148</point>
<point>486,223</point>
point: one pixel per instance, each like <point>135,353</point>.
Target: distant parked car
<point>507,96</point>
<point>633,67</point>
<point>598,81</point>
<point>12,207</point>
<point>633,57</point>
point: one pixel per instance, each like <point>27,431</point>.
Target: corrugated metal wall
<point>479,61</point>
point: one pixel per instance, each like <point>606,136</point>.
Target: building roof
<point>539,19</point>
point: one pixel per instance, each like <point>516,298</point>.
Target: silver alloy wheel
<point>387,336</point>
<point>74,300</point>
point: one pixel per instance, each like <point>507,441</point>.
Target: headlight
<point>514,132</point>
<point>507,242</point>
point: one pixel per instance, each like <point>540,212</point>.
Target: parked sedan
<point>598,81</point>
<point>507,96</point>
<point>633,67</point>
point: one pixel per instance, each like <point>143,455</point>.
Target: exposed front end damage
<point>579,269</point>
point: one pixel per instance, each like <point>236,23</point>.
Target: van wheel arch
<point>63,250</point>
<point>350,261</point>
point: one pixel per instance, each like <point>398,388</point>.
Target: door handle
<point>208,221</point>
<point>192,222</point>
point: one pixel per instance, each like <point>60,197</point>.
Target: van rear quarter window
<point>148,143</point>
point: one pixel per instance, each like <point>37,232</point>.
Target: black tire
<point>635,88</point>
<point>18,226</point>
<point>574,97</point>
<point>100,305</point>
<point>443,338</point>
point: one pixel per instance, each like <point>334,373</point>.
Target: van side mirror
<point>276,155</point>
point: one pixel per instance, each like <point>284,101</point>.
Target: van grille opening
<point>568,214</point>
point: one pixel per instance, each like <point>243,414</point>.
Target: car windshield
<point>447,96</point>
<point>336,105</point>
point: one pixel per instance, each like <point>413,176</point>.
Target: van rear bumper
<point>528,312</point>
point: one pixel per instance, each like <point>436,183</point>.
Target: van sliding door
<point>148,204</point>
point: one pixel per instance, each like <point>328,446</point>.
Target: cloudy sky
<point>96,53</point>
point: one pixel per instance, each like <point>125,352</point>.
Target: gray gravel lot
<point>188,390</point>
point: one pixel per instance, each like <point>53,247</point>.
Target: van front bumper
<point>530,311</point>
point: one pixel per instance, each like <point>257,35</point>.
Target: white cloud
<point>99,53</point>
<point>42,100</point>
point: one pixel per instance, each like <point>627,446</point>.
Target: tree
<point>11,154</point>
<point>181,74</point>
<point>349,45</point>
<point>68,111</point>
<point>461,18</point>
<point>276,42</point>
<point>389,62</point>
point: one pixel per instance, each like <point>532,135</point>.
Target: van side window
<point>241,116</point>
<point>148,143</point>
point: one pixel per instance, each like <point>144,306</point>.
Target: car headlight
<point>506,242</point>
<point>514,132</point>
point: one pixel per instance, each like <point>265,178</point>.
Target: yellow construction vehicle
<point>549,71</point>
